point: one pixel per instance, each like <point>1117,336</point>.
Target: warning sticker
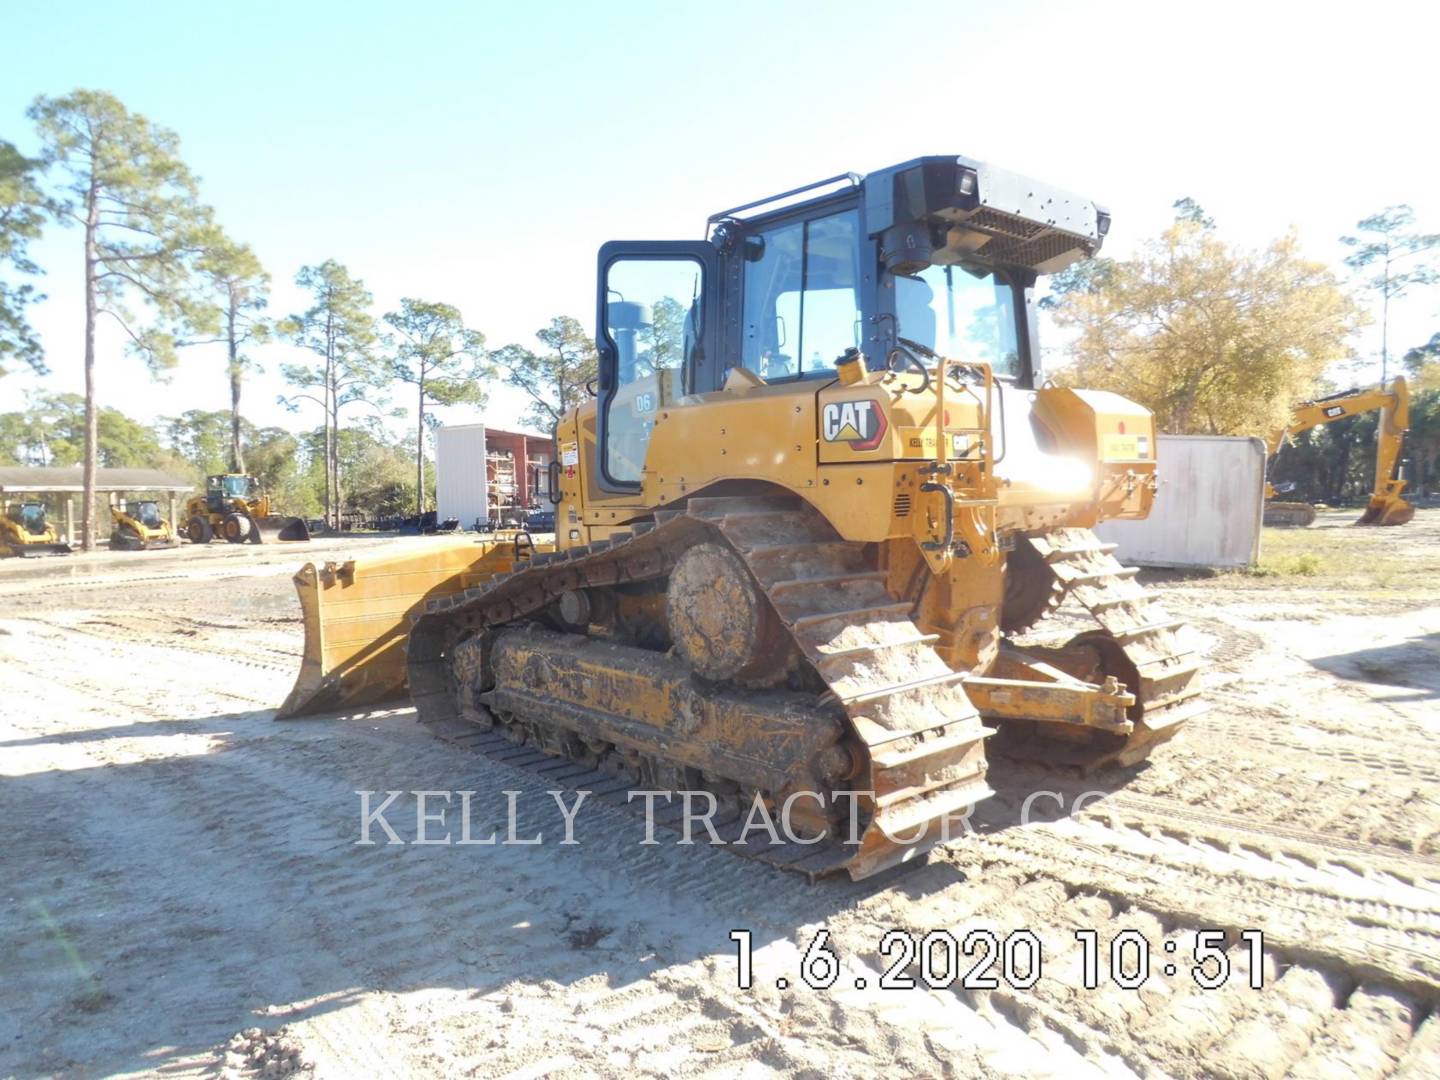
<point>569,453</point>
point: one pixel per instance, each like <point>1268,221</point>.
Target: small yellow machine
<point>138,526</point>
<point>25,531</point>
<point>234,507</point>
<point>821,492</point>
<point>1386,506</point>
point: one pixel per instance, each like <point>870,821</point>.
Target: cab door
<point>657,320</point>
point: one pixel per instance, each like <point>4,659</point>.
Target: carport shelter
<point>17,482</point>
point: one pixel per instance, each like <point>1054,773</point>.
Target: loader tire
<point>199,531</point>
<point>236,528</point>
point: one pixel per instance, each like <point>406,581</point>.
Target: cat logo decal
<point>859,423</point>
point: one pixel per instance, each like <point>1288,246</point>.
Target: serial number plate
<point>982,959</point>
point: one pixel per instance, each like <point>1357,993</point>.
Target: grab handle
<point>949,496</point>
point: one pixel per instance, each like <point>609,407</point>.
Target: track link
<point>1138,643</point>
<point>916,742</point>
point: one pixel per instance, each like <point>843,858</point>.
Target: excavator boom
<point>1386,505</point>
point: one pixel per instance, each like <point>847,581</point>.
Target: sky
<point>479,154</point>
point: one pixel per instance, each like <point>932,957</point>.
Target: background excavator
<point>138,526</point>
<point>234,507</point>
<point>819,497</point>
<point>1386,506</point>
<point>27,532</point>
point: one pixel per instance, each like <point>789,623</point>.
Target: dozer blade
<point>277,528</point>
<point>1394,511</point>
<point>357,617</point>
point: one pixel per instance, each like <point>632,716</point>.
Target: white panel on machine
<point>1207,511</point>
<point>460,473</point>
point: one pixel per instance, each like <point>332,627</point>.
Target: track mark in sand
<point>1396,943</point>
<point>1233,646</point>
<point>1230,833</point>
<point>1393,754</point>
<point>161,635</point>
<point>1365,1039</point>
<point>1308,1019</point>
<point>1371,800</point>
<point>91,670</point>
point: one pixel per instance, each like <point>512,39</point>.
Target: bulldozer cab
<point>938,255</point>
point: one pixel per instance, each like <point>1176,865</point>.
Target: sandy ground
<point>180,869</point>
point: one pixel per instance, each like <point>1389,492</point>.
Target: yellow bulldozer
<point>26,531</point>
<point>820,496</point>
<point>234,508</point>
<point>138,526</point>
<point>1386,506</point>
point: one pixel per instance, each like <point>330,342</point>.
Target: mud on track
<point>180,868</point>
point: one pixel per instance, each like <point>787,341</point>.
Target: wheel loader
<point>1386,506</point>
<point>138,526</point>
<point>821,494</point>
<point>27,532</point>
<point>234,508</point>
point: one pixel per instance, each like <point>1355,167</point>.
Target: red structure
<point>517,470</point>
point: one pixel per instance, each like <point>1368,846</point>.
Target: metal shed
<point>484,474</point>
<point>1208,509</point>
<point>21,480</point>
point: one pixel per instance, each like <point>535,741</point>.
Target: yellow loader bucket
<point>278,528</point>
<point>357,616</point>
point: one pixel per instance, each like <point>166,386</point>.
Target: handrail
<point>853,178</point>
<point>982,540</point>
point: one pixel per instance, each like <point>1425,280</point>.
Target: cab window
<point>961,312</point>
<point>802,303</point>
<point>651,322</point>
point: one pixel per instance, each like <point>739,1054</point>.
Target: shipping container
<point>1208,507</point>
